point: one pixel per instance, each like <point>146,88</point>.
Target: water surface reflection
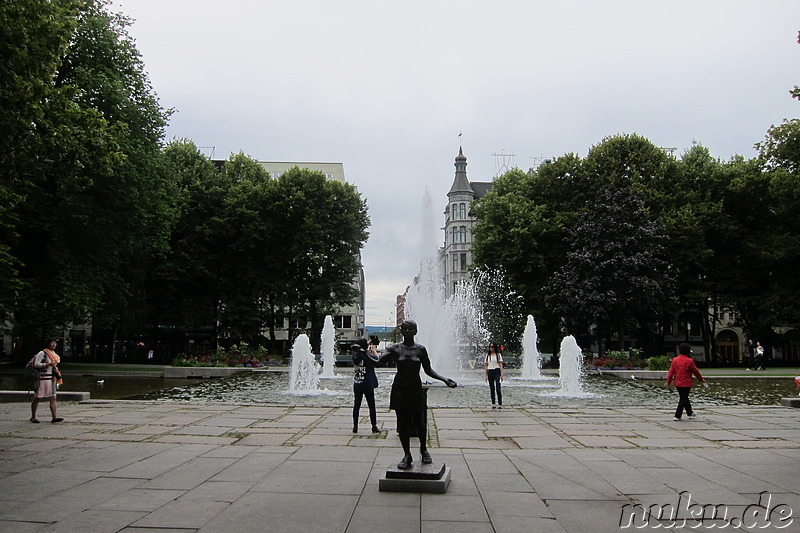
<point>271,387</point>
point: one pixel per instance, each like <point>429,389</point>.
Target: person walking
<point>364,382</point>
<point>759,364</point>
<point>750,363</point>
<point>680,372</point>
<point>493,373</point>
<point>46,362</point>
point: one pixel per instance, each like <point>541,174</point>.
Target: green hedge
<point>660,362</point>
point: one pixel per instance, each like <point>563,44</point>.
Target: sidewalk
<point>168,467</point>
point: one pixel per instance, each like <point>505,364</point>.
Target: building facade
<point>456,255</point>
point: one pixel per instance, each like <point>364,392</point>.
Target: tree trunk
<point>316,327</point>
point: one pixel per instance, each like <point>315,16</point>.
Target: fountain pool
<point>270,387</point>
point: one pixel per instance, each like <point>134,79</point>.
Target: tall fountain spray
<point>328,338</point>
<point>571,368</point>
<point>304,375</point>
<point>531,358</point>
<point>445,325</point>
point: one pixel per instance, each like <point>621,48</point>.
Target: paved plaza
<point>141,467</point>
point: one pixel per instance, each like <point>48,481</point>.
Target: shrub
<point>659,362</point>
<point>238,355</point>
<point>191,360</point>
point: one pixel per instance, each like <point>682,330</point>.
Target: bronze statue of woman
<point>407,399</point>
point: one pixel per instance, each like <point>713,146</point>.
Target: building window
<point>298,323</point>
<point>459,262</point>
<point>455,212</point>
<point>279,322</point>
<point>462,211</point>
<point>459,234</point>
<point>343,321</point>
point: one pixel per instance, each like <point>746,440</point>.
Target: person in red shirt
<point>680,372</point>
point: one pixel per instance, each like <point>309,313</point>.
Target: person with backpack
<point>364,382</point>
<point>46,362</point>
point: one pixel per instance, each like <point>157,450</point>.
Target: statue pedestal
<point>434,477</point>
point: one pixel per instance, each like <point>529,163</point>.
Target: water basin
<point>272,387</point>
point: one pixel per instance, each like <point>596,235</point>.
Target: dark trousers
<point>494,384</point>
<point>369,394</point>
<point>683,402</point>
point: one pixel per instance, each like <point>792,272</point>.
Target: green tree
<point>321,228</point>
<point>87,193</point>
<point>749,281</point>
<point>134,205</point>
<point>703,242</point>
<point>632,161</point>
<point>616,276</point>
<point>250,277</point>
<point>503,309</point>
<point>33,36</point>
<point>518,232</point>
<point>185,286</point>
<point>763,202</point>
<point>796,91</point>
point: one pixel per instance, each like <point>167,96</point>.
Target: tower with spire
<point>458,224</point>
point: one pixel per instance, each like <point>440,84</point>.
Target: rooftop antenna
<point>459,139</point>
<point>541,160</point>
<point>212,148</point>
<point>502,161</point>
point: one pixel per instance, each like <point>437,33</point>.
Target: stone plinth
<point>434,477</point>
<point>27,396</point>
<point>791,402</point>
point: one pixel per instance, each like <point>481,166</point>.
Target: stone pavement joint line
<point>122,466</point>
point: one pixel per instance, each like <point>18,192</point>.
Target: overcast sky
<point>386,87</point>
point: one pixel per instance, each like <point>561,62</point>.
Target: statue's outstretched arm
<point>426,366</point>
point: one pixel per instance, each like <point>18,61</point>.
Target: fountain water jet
<point>531,358</point>
<point>571,370</point>
<point>304,375</point>
<point>445,325</point>
<point>328,338</point>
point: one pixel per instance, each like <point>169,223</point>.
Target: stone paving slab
<point>146,467</point>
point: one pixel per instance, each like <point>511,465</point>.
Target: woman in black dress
<point>406,398</point>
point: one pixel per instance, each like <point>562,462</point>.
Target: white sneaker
<point>693,415</point>
<point>676,419</point>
